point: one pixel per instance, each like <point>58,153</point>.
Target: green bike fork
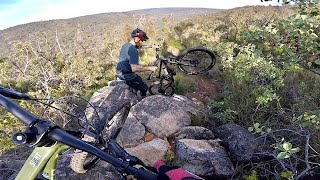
<point>42,159</point>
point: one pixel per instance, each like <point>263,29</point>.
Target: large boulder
<point>150,152</point>
<point>12,161</point>
<point>194,132</point>
<point>97,110</point>
<point>106,96</point>
<point>102,170</point>
<point>161,115</point>
<point>132,132</point>
<point>238,141</point>
<point>104,100</point>
<point>204,158</point>
<point>9,168</point>
<point>198,113</point>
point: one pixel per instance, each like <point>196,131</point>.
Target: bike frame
<point>163,62</point>
<point>164,76</point>
<point>179,60</point>
<point>165,85</point>
<point>42,159</point>
<point>50,140</point>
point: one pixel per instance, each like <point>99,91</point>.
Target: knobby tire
<point>196,61</point>
<point>82,161</point>
<point>168,90</point>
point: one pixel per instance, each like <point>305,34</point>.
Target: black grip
<point>24,116</point>
<point>12,93</point>
<point>144,174</point>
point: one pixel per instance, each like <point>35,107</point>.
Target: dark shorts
<point>138,84</point>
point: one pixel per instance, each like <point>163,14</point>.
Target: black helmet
<point>139,33</point>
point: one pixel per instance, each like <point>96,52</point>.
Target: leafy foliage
<point>270,73</point>
<point>183,86</point>
<point>308,119</point>
<point>257,129</point>
<point>253,176</point>
<point>288,175</point>
<point>286,150</point>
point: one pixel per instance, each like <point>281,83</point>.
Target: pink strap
<point>178,174</point>
<point>158,164</point>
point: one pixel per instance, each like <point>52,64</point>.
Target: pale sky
<point>15,12</point>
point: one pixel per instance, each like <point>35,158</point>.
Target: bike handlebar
<point>13,94</point>
<point>150,46</point>
<point>23,115</point>
<point>65,138</point>
<point>62,136</point>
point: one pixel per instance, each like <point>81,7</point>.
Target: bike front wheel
<point>196,61</point>
<point>167,90</point>
<point>82,161</point>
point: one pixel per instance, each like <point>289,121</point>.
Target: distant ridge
<point>95,30</point>
<point>176,10</point>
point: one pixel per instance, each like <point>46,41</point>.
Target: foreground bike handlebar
<point>13,94</point>
<point>57,134</point>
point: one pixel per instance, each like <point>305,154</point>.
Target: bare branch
<point>15,65</point>
<point>57,40</point>
<point>306,158</point>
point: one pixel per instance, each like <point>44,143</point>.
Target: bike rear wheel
<point>196,61</point>
<point>82,161</point>
<point>167,90</point>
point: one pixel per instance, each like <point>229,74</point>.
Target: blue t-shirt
<point>128,55</point>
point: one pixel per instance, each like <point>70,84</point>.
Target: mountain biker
<point>128,63</point>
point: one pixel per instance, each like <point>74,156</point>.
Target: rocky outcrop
<point>161,115</point>
<point>203,157</point>
<point>150,152</point>
<point>103,100</point>
<point>132,139</point>
<point>194,132</point>
<point>239,141</point>
<point>102,170</point>
<point>160,127</point>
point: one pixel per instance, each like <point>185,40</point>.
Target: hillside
<point>94,29</point>
<point>266,77</point>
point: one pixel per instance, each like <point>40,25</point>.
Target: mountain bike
<point>50,140</point>
<point>192,61</point>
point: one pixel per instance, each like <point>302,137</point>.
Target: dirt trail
<point>206,89</point>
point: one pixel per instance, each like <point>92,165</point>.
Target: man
<point>127,67</point>
<point>128,63</point>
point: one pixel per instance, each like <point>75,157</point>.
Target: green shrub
<point>183,85</point>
